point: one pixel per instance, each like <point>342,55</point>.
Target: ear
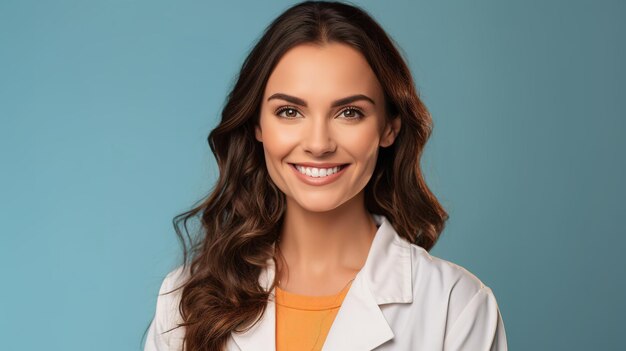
<point>257,133</point>
<point>391,132</point>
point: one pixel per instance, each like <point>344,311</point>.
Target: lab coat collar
<point>359,323</point>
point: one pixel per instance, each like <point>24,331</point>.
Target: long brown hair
<point>240,219</point>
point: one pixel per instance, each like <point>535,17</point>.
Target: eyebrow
<point>342,101</point>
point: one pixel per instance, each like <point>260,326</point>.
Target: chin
<point>317,206</point>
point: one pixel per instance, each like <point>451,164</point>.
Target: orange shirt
<point>302,322</point>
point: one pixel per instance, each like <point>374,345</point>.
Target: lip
<point>319,165</point>
<point>320,180</point>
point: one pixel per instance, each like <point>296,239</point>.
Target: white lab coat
<point>403,298</point>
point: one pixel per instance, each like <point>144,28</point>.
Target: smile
<point>318,176</point>
<point>318,172</point>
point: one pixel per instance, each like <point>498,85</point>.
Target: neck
<point>318,244</point>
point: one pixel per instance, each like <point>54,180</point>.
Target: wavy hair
<point>240,219</point>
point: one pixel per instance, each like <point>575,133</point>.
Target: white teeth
<point>317,172</point>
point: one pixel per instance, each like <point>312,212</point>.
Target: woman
<point>317,232</point>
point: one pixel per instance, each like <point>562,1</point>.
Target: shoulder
<point>447,284</point>
<point>167,315</point>
<point>170,294</point>
<point>472,318</point>
<point>443,273</point>
<point>451,307</point>
<point>174,278</point>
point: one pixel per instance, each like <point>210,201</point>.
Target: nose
<point>318,138</point>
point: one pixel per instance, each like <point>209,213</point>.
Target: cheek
<point>275,151</point>
<point>278,141</point>
<point>363,145</point>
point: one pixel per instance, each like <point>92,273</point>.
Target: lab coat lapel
<point>359,324</point>
<point>385,278</point>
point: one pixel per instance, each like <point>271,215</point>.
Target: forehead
<point>323,73</point>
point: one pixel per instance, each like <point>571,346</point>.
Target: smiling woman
<point>316,235</point>
<point>322,132</point>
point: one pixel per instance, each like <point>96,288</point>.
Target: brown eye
<point>291,112</point>
<point>352,113</point>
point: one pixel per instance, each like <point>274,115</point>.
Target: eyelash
<point>347,108</point>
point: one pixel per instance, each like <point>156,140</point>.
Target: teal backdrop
<point>105,108</point>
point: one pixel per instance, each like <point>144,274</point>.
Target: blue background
<point>105,108</point>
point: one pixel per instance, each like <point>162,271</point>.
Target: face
<point>323,109</point>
